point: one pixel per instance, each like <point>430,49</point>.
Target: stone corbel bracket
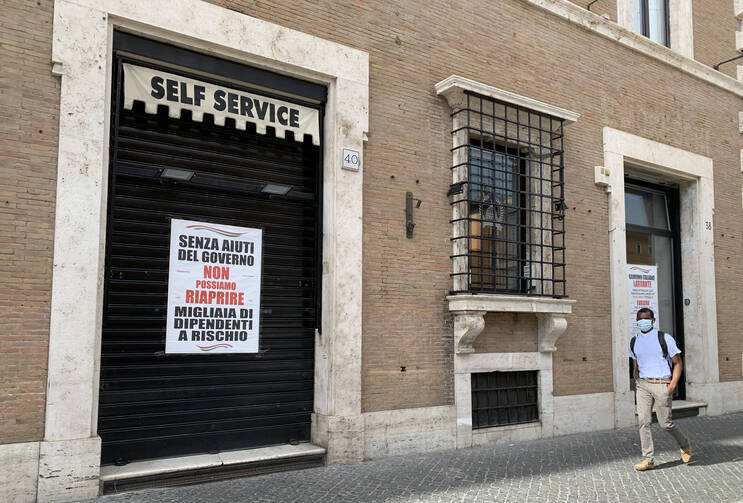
<point>469,317</point>
<point>551,327</point>
<point>467,326</point>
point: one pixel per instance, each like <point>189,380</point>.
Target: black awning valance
<point>156,87</point>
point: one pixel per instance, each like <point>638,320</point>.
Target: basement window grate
<point>509,206</point>
<point>504,398</point>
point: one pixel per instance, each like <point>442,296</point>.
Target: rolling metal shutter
<point>155,405</point>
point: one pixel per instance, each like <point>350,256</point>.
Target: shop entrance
<point>653,225</point>
<point>153,404</point>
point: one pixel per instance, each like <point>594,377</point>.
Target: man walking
<point>655,382</point>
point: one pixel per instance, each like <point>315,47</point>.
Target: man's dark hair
<point>646,310</point>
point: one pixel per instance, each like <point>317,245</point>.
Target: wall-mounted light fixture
<point>177,174</point>
<point>717,66</point>
<point>409,224</point>
<point>277,189</point>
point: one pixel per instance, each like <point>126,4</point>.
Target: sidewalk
<point>585,467</point>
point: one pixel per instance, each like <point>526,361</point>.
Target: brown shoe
<point>644,465</point>
<point>686,453</point>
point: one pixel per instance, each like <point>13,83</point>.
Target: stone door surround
<point>81,55</point>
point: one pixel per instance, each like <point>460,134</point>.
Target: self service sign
<point>157,88</point>
<point>214,287</point>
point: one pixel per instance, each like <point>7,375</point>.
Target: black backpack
<point>661,341</point>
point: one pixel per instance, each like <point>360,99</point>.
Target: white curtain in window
<point>637,16</point>
<point>657,20</point>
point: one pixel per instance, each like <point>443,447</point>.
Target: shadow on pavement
<point>671,464</point>
<point>713,453</point>
<point>600,464</point>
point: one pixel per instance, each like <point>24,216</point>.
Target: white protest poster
<point>642,288</point>
<point>214,288</point>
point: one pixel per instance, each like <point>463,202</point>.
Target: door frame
<point>158,56</point>
<point>81,56</point>
<point>674,217</point>
<point>694,175</point>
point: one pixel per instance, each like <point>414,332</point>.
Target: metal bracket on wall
<point>409,224</point>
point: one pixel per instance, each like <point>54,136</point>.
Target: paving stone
<point>587,467</point>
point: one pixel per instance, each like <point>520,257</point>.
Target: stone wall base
<point>721,397</point>
<point>69,469</point>
<point>409,431</point>
<point>20,471</point>
<point>342,437</point>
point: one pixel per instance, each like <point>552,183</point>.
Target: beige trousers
<point>647,393</point>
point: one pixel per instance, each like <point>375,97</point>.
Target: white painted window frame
<point>680,23</point>
<point>82,55</point>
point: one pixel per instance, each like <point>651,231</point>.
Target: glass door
<point>652,223</point>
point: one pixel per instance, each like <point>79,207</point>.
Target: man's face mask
<point>645,325</point>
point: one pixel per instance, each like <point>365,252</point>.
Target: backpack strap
<point>663,345</point>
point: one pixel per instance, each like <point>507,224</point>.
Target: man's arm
<point>635,369</point>
<point>677,367</point>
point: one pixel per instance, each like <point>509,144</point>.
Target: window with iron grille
<point>509,202</point>
<point>503,398</point>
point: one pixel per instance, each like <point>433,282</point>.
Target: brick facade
<point>29,97</point>
<point>507,45</point>
<point>510,45</point>
<point>600,8</point>
<point>508,333</point>
<point>714,33</point>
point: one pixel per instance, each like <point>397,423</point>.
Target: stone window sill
<point>469,317</point>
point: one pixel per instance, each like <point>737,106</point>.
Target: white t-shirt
<point>649,355</point>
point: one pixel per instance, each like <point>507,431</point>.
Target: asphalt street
<point>595,466</point>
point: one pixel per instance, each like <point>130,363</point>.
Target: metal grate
<point>509,200</point>
<point>154,404</point>
<point>503,398</point>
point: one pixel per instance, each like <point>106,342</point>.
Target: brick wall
<point>714,29</point>
<point>519,48</point>
<point>508,333</point>
<point>601,7</point>
<point>29,98</point>
<point>507,44</point>
<point>714,34</point>
<point>728,235</point>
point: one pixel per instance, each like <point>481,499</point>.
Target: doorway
<point>652,218</point>
<point>153,404</point>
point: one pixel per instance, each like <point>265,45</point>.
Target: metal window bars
<point>504,398</point>
<point>509,210</point>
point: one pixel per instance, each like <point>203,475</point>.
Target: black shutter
<point>152,404</point>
